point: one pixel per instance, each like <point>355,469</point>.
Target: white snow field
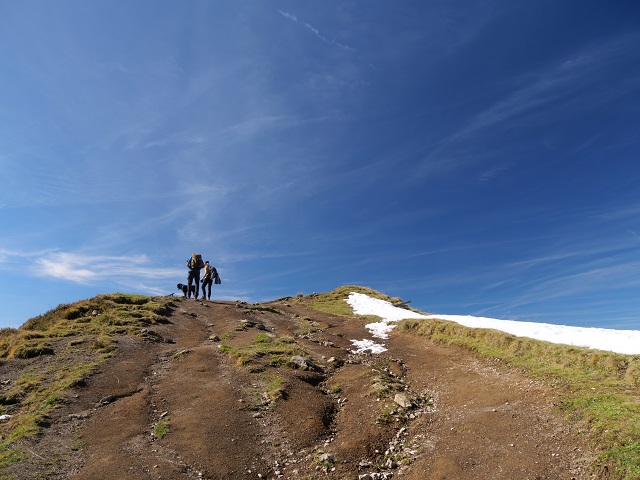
<point>619,341</point>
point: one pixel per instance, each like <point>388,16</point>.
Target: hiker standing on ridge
<point>210,274</point>
<point>194,264</point>
<point>207,280</point>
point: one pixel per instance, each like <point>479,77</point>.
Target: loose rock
<point>403,400</point>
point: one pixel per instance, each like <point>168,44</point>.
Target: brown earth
<point>468,418</point>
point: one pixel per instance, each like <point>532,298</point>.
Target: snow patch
<point>368,346</point>
<point>619,341</point>
<point>364,305</point>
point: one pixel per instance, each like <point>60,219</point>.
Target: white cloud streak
<point>547,92</point>
<point>87,269</point>
<point>316,32</point>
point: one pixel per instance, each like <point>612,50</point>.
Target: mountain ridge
<point>168,388</point>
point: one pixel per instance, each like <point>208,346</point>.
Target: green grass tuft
<point>334,302</point>
<point>265,350</point>
<point>161,429</point>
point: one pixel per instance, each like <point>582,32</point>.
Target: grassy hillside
<point>601,390</point>
<point>334,302</point>
<point>598,390</point>
<point>62,348</point>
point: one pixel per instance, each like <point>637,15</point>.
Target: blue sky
<point>474,157</point>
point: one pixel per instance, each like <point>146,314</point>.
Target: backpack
<point>196,261</point>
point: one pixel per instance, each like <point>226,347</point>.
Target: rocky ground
<point>184,404</point>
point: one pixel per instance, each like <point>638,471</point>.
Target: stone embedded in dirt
<point>326,457</point>
<point>375,476</point>
<point>153,336</point>
<point>301,362</point>
<point>252,324</point>
<point>403,400</point>
<point>79,415</point>
<point>107,400</point>
<point>336,362</point>
<point>378,387</point>
<point>214,338</point>
<point>181,353</point>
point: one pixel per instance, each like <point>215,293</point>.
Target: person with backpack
<point>194,264</point>
<point>210,276</point>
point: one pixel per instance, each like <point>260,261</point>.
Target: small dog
<point>185,290</point>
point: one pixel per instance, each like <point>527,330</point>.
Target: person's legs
<point>196,278</point>
<point>206,288</point>
<point>190,278</point>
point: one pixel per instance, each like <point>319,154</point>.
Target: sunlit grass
<point>265,349</point>
<point>161,429</point>
<point>77,337</point>
<point>334,302</point>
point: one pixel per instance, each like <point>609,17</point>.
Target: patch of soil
<point>186,408</point>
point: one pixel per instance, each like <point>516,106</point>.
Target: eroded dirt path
<point>189,385</point>
<point>469,419</point>
<point>490,422</point>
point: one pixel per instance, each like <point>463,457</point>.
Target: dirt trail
<point>490,421</point>
<point>470,419</point>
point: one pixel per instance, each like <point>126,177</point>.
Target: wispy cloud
<point>5,256</point>
<point>580,285</point>
<point>316,32</point>
<point>574,254</point>
<point>551,91</point>
<point>85,269</point>
<point>289,16</point>
<point>176,140</point>
<point>254,125</point>
<point>240,131</point>
<point>491,174</point>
